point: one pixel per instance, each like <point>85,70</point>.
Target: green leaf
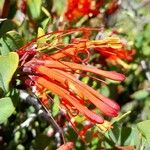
<point>136,138</point>
<point>6,108</point>
<point>6,26</point>
<point>105,91</point>
<point>41,142</point>
<point>140,95</point>
<point>144,128</point>
<point>45,23</point>
<point>145,49</point>
<point>41,41</point>
<point>120,135</point>
<point>146,32</point>
<point>59,6</point>
<point>115,133</point>
<point>34,8</point>
<point>11,41</point>
<point>9,64</point>
<point>126,136</point>
<point>55,108</point>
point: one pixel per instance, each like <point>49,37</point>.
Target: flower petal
<point>56,89</point>
<point>108,107</point>
<point>74,66</point>
<point>104,106</point>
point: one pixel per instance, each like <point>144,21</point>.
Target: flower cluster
<point>79,8</point>
<point>116,56</point>
<point>56,71</point>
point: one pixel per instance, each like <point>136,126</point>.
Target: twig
<point>42,112</point>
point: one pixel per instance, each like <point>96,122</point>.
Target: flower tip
<point>117,76</point>
<point>105,126</point>
<point>115,114</point>
<point>99,121</point>
<point>122,77</point>
<point>94,117</point>
<point>115,106</point>
<point>111,114</point>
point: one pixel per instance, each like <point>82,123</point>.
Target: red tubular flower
<point>60,82</point>
<point>62,65</point>
<point>85,45</point>
<point>62,92</point>
<point>115,55</point>
<point>66,80</point>
<point>56,73</point>
<point>79,8</point>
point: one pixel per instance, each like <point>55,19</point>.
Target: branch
<point>42,112</point>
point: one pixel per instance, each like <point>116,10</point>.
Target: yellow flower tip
<point>123,63</point>
<point>113,42</point>
<point>105,126</point>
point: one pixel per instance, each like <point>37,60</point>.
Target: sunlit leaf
<point>144,128</point>
<point>8,66</point>
<point>121,135</point>
<point>6,109</point>
<point>55,107</point>
<point>41,41</point>
<point>59,6</point>
<point>11,41</point>
<point>45,23</point>
<point>34,7</point>
<point>140,95</point>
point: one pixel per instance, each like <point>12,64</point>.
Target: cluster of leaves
<point>27,19</point>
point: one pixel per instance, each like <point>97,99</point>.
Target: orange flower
<point>79,8</point>
<point>111,53</point>
<point>56,77</point>
<point>116,56</point>
<point>56,72</point>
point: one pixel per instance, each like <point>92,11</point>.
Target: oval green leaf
<point>6,109</point>
<point>140,95</point>
<point>8,66</point>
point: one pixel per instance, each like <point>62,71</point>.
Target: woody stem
<point>42,112</point>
